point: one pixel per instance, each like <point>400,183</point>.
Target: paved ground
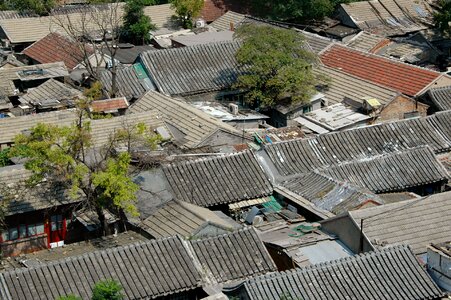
<point>75,249</point>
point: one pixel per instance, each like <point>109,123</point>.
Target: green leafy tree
<point>187,10</point>
<point>41,7</point>
<point>107,290</point>
<point>443,17</point>
<point>4,157</point>
<point>137,25</point>
<point>277,66</point>
<point>94,174</point>
<point>296,11</point>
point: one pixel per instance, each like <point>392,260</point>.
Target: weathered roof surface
<point>224,22</point>
<point>147,270</point>
<point>195,69</point>
<point>128,53</point>
<point>389,17</point>
<point>160,15</point>
<point>178,217</point>
<point>204,38</point>
<point>366,41</point>
<point>51,70</point>
<point>396,171</point>
<point>417,222</point>
<point>13,14</point>
<point>387,274</point>
<point>219,180</point>
<point>342,85</point>
<point>31,29</point>
<point>441,97</point>
<point>316,42</point>
<point>234,256</point>
<point>408,79</point>
<point>55,47</point>
<point>304,155</point>
<point>129,83</point>
<point>101,129</point>
<point>328,193</point>
<point>193,124</point>
<point>51,90</point>
<point>109,105</point>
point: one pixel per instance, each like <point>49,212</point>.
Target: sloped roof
<point>56,47</point>
<point>386,274</point>
<point>408,79</point>
<point>204,38</point>
<point>304,155</point>
<point>148,270</point>
<point>316,42</point>
<point>417,222</point>
<point>178,217</point>
<point>31,29</point>
<point>389,17</point>
<point>51,90</point>
<point>50,70</point>
<point>195,69</point>
<point>328,193</point>
<point>396,171</point>
<point>109,105</point>
<point>441,97</point>
<point>366,41</point>
<point>224,22</point>
<point>218,180</point>
<point>235,256</point>
<point>152,269</point>
<point>128,82</point>
<point>101,129</point>
<point>341,85</point>
<point>194,124</point>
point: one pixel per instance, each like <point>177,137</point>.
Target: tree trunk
<point>105,230</point>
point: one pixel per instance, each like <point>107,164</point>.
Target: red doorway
<point>56,231</point>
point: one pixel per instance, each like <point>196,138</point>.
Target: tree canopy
<point>137,25</point>
<point>296,11</point>
<point>187,10</point>
<point>96,175</point>
<point>277,66</point>
<point>40,7</point>
<point>107,290</point>
<point>443,17</point>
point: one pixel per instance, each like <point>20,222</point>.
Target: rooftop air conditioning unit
<point>233,108</point>
<point>200,23</point>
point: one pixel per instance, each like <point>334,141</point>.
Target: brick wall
<point>21,246</point>
<point>396,109</point>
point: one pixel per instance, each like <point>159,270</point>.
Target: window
<point>22,231</point>
<point>307,109</point>
<point>56,222</point>
<point>13,233</point>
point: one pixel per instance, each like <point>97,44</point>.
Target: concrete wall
<point>396,109</point>
<point>347,232</point>
<point>22,246</point>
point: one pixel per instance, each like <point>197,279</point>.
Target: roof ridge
<point>209,158</point>
<point>191,48</point>
<point>232,233</point>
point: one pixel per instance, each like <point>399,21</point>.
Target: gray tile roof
<point>392,273</point>
<point>328,193</point>
<point>316,42</point>
<point>193,124</point>
<point>396,171</point>
<point>128,84</point>
<point>219,180</point>
<point>235,256</point>
<point>224,22</point>
<point>195,69</point>
<point>441,97</point>
<point>22,198</point>
<point>341,85</point>
<point>101,129</point>
<point>304,155</point>
<point>365,41</point>
<point>146,270</point>
<point>417,222</point>
<point>8,75</point>
<point>178,217</point>
<point>51,90</point>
